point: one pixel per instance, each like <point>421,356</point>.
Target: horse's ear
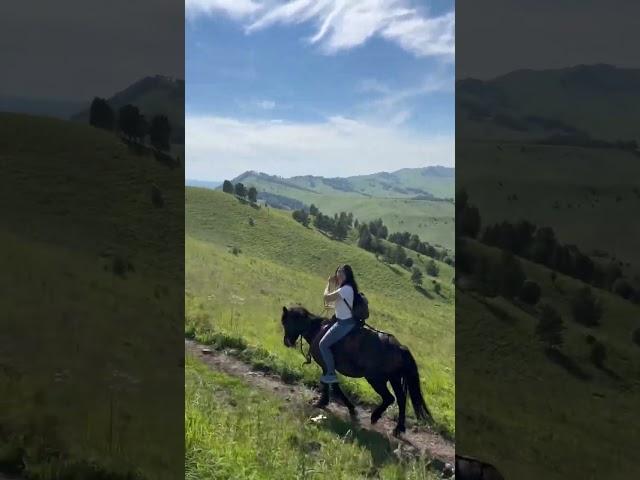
<point>284,310</point>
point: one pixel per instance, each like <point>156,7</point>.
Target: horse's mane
<point>303,311</point>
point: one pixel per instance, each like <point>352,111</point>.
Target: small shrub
<point>301,216</point>
<point>623,288</point>
<point>550,326</point>
<point>236,251</point>
<point>530,292</point>
<point>416,276</point>
<point>227,187</point>
<point>408,262</point>
<point>252,223</point>
<point>432,269</point>
<point>437,288</point>
<point>586,308</point>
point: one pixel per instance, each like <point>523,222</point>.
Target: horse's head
<point>295,322</point>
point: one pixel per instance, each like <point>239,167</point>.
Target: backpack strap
<point>350,309</point>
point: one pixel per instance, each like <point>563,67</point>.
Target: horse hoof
<point>399,430</point>
<point>353,412</point>
<point>375,418</point>
<point>320,404</point>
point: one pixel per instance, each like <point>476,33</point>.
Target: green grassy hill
<point>406,200</point>
<point>154,95</point>
<point>436,182</point>
<point>89,298</point>
<point>280,262</point>
<point>578,434</point>
<point>586,194</point>
<point>601,100</point>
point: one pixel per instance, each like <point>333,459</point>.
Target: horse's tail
<point>411,384</point>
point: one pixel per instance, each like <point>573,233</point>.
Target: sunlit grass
<point>234,431</point>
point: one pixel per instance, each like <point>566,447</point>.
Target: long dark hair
<point>350,279</point>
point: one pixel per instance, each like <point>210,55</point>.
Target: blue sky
<point>324,87</point>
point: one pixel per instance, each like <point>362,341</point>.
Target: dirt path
<point>417,440</point>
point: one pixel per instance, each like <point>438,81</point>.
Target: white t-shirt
<point>342,311</point>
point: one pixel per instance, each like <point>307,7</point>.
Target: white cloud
<point>221,147</point>
<point>266,104</point>
<point>236,9</point>
<point>345,24</point>
<point>397,103</point>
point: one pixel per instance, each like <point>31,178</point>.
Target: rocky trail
<point>416,441</point>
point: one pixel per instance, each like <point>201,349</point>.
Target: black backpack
<point>360,310</point>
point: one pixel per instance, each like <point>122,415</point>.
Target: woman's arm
<point>330,292</point>
<point>331,296</point>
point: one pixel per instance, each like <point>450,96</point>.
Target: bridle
<point>307,356</point>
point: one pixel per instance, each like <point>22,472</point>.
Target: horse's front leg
<point>323,401</point>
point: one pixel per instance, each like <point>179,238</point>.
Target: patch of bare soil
<point>416,441</point>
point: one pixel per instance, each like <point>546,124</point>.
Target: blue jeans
<point>337,331</point>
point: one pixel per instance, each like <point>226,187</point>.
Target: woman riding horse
<point>341,299</point>
<point>374,355</point>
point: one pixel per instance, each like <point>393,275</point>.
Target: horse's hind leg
<point>339,394</point>
<point>380,386</point>
<point>401,398</point>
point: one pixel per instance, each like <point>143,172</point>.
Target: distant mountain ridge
<point>210,184</point>
<point>153,95</point>
<point>433,182</point>
<point>600,101</point>
<point>40,106</point>
<point>416,200</point>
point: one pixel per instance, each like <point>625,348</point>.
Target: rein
<point>307,355</point>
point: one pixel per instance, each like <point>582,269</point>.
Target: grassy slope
<point>579,428</point>
<point>569,176</point>
<point>69,374</point>
<point>258,436</point>
<point>432,220</point>
<point>281,263</point>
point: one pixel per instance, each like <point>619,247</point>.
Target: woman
<point>339,293</point>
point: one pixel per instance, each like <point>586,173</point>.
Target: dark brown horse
<point>376,356</point>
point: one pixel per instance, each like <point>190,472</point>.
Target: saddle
<point>359,326</point>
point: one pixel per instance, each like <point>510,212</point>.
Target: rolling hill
<point>414,200</point>
<point>585,194</point>
<point>244,263</point>
<point>530,407</point>
<point>602,101</point>
<point>154,95</point>
<point>91,283</point>
<point>532,404</point>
